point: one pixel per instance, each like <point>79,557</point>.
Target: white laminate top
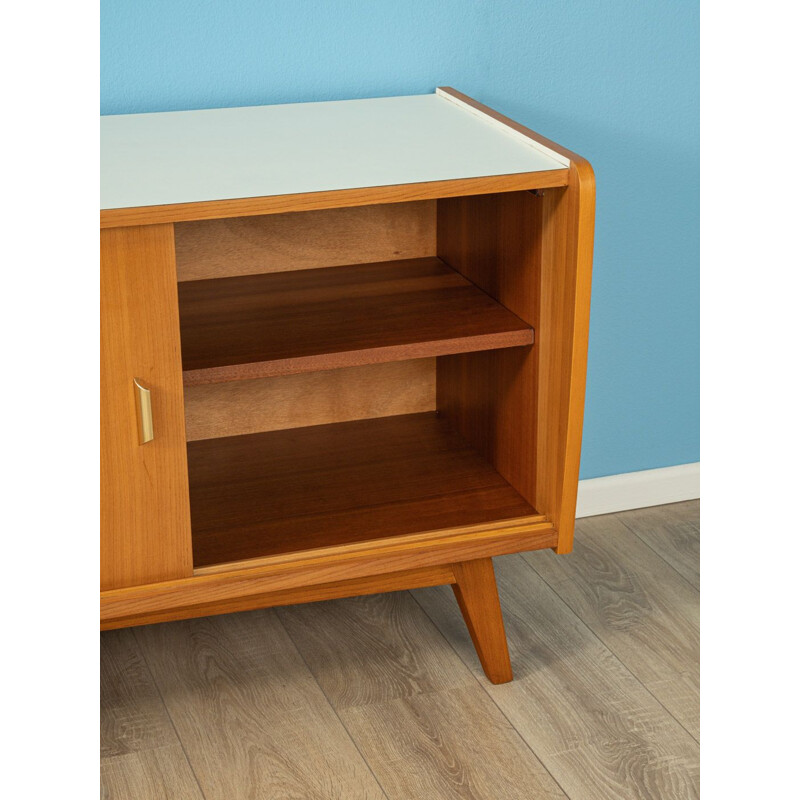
<point>257,151</point>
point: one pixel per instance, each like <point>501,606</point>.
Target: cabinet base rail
<point>473,584</point>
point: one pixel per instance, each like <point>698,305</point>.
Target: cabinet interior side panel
<point>491,397</point>
<point>554,345</point>
<point>221,248</point>
<point>310,398</point>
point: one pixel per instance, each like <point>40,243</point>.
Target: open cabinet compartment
<point>360,374</point>
<point>359,332</point>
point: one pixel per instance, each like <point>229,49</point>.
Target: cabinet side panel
<point>145,529</point>
<point>494,241</point>
<point>562,340</point>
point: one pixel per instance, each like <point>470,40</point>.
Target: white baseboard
<point>650,487</point>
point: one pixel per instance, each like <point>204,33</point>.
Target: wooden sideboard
<point>343,352</point>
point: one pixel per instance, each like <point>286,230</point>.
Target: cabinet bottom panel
<point>291,491</point>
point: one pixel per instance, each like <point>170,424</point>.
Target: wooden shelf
<point>323,426</point>
<point>294,490</point>
<point>281,323</point>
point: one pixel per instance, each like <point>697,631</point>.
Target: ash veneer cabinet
<point>343,352</point>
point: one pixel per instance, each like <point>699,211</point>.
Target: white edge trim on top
<point>516,134</point>
<point>650,487</point>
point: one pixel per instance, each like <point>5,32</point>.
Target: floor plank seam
<point>328,701</point>
<point>494,703</point>
<point>611,650</point>
<point>569,599</point>
<point>168,713</point>
<point>644,541</point>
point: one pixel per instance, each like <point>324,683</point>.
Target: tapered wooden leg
<point>476,592</point>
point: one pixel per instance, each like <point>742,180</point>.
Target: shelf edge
<point>357,358</point>
<point>372,546</point>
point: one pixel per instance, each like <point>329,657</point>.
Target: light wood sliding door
<point>145,530</point>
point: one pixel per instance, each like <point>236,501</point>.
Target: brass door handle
<point>144,412</point>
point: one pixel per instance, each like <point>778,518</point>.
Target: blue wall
<point>614,80</point>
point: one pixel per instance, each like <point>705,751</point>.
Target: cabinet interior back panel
<point>258,151</point>
<point>223,248</point>
<point>310,398</point>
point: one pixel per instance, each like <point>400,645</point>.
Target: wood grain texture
<point>141,755</point>
<point>597,730</point>
<point>309,240</point>
<point>646,614</point>
<point>145,533</point>
<point>230,581</point>
<point>261,325</point>
<point>400,193</point>
<point>567,241</point>
<point>249,714</point>
<point>452,744</point>
<point>475,591</point>
<point>566,279</point>
<point>162,774</point>
<point>414,711</point>
<point>311,398</point>
<point>406,698</point>
<point>673,531</point>
<point>368,650</point>
<point>370,584</point>
<point>287,494</point>
<point>494,241</point>
<point>288,491</point>
<point>132,715</point>
<point>523,409</point>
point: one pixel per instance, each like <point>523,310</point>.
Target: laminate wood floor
<point>384,697</point>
